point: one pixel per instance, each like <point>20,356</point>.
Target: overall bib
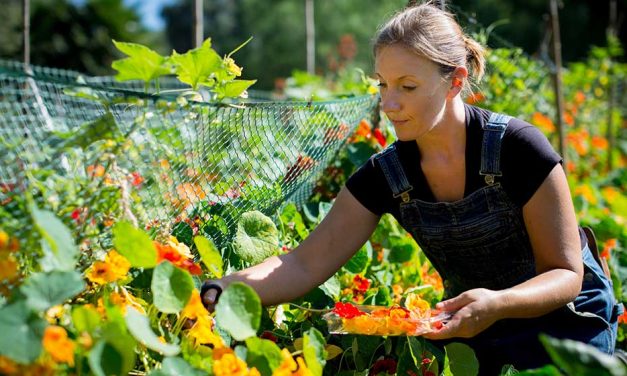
<point>481,241</point>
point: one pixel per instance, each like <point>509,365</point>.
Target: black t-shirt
<point>527,158</point>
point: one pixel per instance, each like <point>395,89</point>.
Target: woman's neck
<point>447,139</point>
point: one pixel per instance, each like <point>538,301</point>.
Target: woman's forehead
<point>399,61</point>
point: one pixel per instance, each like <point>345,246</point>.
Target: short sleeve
<point>527,157</point>
<point>369,187</point>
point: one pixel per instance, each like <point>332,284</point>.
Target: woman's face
<point>413,93</point>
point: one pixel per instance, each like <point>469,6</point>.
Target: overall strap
<point>493,133</point>
<point>394,173</point>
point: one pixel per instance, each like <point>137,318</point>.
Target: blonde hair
<point>434,34</point>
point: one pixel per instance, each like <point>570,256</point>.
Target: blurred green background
<point>77,34</point>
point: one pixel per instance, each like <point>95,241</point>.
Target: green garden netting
<point>156,158</point>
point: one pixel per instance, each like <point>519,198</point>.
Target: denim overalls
<point>481,241</point>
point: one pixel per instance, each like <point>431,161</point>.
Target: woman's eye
<point>409,88</point>
<point>381,84</point>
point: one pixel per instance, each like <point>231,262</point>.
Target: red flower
<point>347,310</point>
<point>360,283</point>
<point>378,135</point>
<point>269,335</point>
<point>383,365</point>
<point>76,214</point>
<point>136,179</point>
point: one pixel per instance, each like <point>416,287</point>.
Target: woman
<point>483,194</point>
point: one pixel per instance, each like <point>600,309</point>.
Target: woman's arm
<point>552,227</point>
<point>347,226</point>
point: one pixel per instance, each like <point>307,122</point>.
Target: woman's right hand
<point>210,293</point>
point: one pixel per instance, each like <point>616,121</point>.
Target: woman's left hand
<point>477,309</point>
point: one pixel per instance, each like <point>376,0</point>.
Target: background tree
<point>73,36</point>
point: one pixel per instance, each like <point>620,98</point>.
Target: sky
<point>148,10</point>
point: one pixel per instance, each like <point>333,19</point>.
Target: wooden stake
<point>557,76</point>
<point>198,23</point>
<point>310,30</point>
<point>26,34</point>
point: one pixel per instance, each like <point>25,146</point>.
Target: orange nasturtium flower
<point>202,333</point>
<point>58,345</point>
<point>600,142</point>
<point>114,267</point>
<point>543,122</point>
<point>178,254</point>
<point>230,365</point>
<point>431,278</point>
<point>121,298</point>
<point>289,367</point>
<point>194,308</point>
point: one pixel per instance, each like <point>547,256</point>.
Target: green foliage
<point>59,248</point>
<point>114,354</point>
<point>313,349</point>
<point>21,333</point>
<point>139,326</point>
<point>171,287</point>
<point>257,237</point>
<point>175,367</point>
<point>460,360</point>
<point>209,255</point>
<point>44,290</point>
<point>263,354</point>
<point>577,358</point>
<point>135,245</point>
<point>141,64</point>
<point>239,311</point>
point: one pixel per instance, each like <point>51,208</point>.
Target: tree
<point>70,36</point>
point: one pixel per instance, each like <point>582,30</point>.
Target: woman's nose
<point>389,103</point>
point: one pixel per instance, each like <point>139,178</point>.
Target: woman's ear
<point>458,79</point>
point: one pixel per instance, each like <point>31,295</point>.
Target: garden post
<point>557,78</point>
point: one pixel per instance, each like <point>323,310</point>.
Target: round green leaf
<point>209,255</point>
<point>461,359</point>
<point>85,319</point>
<point>114,354</point>
<point>239,311</point>
<point>314,352</point>
<point>257,237</point>
<point>263,354</point>
<point>44,290</point>
<point>135,245</point>
<point>139,326</point>
<point>360,260</point>
<point>176,367</point>
<point>60,251</point>
<point>171,287</point>
<point>21,333</point>
<point>402,249</point>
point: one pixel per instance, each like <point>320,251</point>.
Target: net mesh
<point>155,159</point>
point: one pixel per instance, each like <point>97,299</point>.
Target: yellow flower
<point>113,268</point>
<point>100,273</point>
<point>119,264</point>
<point>54,313</point>
<point>418,306</point>
<point>232,67</point>
<point>125,298</point>
<point>181,248</point>
<point>289,367</point>
<point>202,334</point>
<point>586,192</point>
<point>57,344</point>
<point>194,308</point>
<point>230,365</point>
<point>4,240</point>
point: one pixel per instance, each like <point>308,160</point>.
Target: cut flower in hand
<point>415,319</point>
